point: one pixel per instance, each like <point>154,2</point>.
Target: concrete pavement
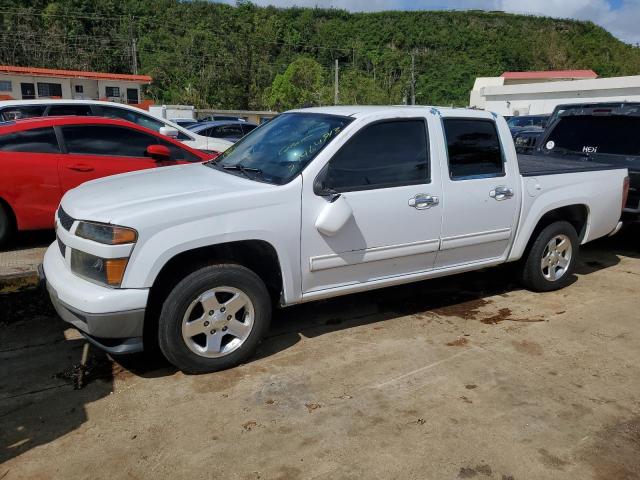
<point>463,377</point>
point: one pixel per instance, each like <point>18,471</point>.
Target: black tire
<point>179,300</point>
<point>7,226</point>
<point>531,272</point>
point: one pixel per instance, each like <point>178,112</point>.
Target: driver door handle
<point>501,193</point>
<point>423,201</point>
<point>80,167</point>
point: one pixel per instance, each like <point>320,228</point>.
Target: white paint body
<point>376,238</point>
<point>189,138</point>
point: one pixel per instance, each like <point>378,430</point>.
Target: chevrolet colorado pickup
<point>316,203</point>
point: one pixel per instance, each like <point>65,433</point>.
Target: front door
<point>28,91</point>
<point>132,95</point>
<point>483,193</point>
<point>385,222</point>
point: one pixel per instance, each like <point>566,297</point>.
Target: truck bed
<point>537,165</point>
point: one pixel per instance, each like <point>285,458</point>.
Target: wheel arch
<point>13,217</point>
<point>576,214</point>
<point>259,256</point>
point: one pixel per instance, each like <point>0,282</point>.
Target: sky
<point>620,17</point>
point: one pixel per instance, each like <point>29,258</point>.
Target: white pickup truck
<point>316,203</point>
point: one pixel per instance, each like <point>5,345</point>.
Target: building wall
<point>123,86</point>
<point>17,80</point>
<point>545,103</point>
<point>92,89</point>
<point>542,98</point>
<point>89,89</point>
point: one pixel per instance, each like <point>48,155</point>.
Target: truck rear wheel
<point>551,259</point>
<point>214,318</point>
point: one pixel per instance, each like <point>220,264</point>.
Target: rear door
<point>483,193</point>
<point>95,151</point>
<point>29,175</point>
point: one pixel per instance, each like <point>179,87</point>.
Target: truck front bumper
<point>111,318</point>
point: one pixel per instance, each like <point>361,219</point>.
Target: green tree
<point>301,84</point>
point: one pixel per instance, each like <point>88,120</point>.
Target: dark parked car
<point>525,130</point>
<point>228,130</point>
<point>215,118</point>
<point>605,133</point>
<point>605,105</point>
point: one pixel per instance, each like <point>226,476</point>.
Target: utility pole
<point>134,56</point>
<point>134,49</point>
<point>335,84</point>
<point>413,78</point>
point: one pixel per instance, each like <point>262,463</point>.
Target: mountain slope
<point>211,54</point>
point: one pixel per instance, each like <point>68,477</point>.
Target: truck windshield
<point>278,150</point>
<point>615,135</point>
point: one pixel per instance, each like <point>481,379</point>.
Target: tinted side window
<point>27,111</point>
<point>382,155</point>
<point>596,134</point>
<point>474,148</point>
<point>248,128</point>
<point>227,131</point>
<point>38,140</point>
<point>64,110</point>
<point>178,153</point>
<point>107,140</point>
<point>133,117</point>
<point>146,121</point>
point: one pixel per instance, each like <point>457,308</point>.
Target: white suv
<point>15,109</point>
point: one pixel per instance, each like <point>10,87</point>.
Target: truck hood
<point>121,198</point>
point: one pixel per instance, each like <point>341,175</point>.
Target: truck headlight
<point>107,234</point>
<point>107,271</point>
<point>520,141</point>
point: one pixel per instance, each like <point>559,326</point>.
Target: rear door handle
<point>423,201</point>
<point>501,193</point>
<point>79,167</point>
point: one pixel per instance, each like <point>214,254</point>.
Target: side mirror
<point>158,152</point>
<point>335,215</point>
<point>169,132</point>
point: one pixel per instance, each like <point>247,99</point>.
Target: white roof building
<point>533,93</point>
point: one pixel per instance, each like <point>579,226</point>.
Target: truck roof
<point>359,111</point>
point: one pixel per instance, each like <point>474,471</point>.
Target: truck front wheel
<point>551,259</point>
<point>214,318</point>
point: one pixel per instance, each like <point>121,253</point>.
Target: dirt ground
<point>463,377</point>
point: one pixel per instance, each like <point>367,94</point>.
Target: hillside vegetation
<point>210,54</point>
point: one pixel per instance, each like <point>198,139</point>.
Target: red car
<point>42,158</point>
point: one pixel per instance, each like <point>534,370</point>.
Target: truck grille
<point>65,220</point>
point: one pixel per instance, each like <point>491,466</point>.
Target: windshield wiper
<point>242,169</point>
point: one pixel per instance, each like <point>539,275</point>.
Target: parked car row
<point>20,109</point>
<point>44,157</point>
<point>316,203</point>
